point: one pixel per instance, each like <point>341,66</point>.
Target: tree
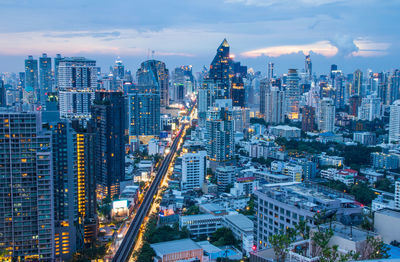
<point>385,185</point>
<point>192,210</point>
<point>145,254</point>
<point>281,243</point>
<point>249,210</point>
<point>376,249</point>
<point>363,193</point>
<point>223,237</point>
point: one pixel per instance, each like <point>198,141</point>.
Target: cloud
<point>288,3</point>
<point>324,48</point>
<point>345,44</point>
<point>368,48</point>
<point>84,34</point>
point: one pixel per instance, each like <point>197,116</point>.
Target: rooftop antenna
<point>152,54</point>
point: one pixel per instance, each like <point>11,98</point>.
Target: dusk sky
<point>353,34</point>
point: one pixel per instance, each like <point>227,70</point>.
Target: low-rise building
<point>285,131</point>
<point>244,186</point>
<point>200,225</point>
<point>177,250</point>
<point>365,138</point>
<point>386,223</point>
<point>242,228</point>
<point>384,161</point>
<point>280,206</point>
<point>325,160</point>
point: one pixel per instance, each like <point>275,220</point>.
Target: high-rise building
<point>153,73</point>
<point>119,69</point>
<point>3,94</point>
<point>326,116</point>
<point>264,89</point>
<point>193,170</point>
<point>274,106</point>
<point>220,68</point>
<point>219,134</point>
<point>394,122</point>
<point>31,80</point>
<point>270,74</point>
<point>238,92</point>
<point>292,94</point>
<point>308,118</point>
<point>394,86</point>
<point>226,175</point>
<point>45,77</point>
<point>77,73</point>
<point>75,104</point>
<point>308,66</point>
<point>340,95</point>
<point>77,80</point>
<point>57,60</point>
<point>26,171</point>
<point>68,227</point>
<point>358,83</point>
<point>354,103</point>
<point>108,123</point>
<point>370,108</point>
<point>144,114</point>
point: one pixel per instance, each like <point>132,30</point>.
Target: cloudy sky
<point>353,34</point>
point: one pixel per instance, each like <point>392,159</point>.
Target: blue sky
<point>353,34</point>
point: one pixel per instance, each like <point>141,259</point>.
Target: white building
<point>326,116</point>
<point>153,147</point>
<point>285,131</point>
<point>397,195</point>
<point>200,225</point>
<point>274,106</point>
<point>370,108</point>
<point>193,170</point>
<point>75,103</point>
<point>394,122</point>
<point>242,229</point>
<point>386,223</point>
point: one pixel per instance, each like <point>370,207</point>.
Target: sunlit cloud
<point>368,48</point>
<point>324,48</point>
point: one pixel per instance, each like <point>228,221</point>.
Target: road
<point>127,243</point>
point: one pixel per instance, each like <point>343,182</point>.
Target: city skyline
<point>352,35</point>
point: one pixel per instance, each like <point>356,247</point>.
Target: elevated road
<point>125,249</point>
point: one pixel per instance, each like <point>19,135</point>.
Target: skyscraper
<point>119,69</point>
<point>370,108</point>
<point>153,73</point>
<point>220,68</point>
<point>68,235</point>
<point>308,67</point>
<point>394,122</point>
<point>144,114</point>
<point>358,83</point>
<point>3,94</point>
<point>219,133</point>
<point>307,118</point>
<point>292,93</point>
<point>264,89</point>
<point>31,80</point>
<point>274,106</point>
<point>27,213</point>
<point>108,123</point>
<point>326,116</point>
<point>77,80</point>
<point>77,73</point>
<point>45,77</point>
<point>238,92</point>
<point>57,60</point>
<point>270,74</point>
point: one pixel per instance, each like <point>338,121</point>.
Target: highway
<point>127,244</point>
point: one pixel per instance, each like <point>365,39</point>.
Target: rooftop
<point>389,212</point>
<point>349,233</point>
<point>199,217</point>
<point>240,221</point>
<point>307,196</point>
<point>175,246</point>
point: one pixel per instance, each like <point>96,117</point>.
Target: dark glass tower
<point>220,68</point>
<point>154,74</point>
<point>31,80</point>
<point>108,123</point>
<point>45,77</point>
